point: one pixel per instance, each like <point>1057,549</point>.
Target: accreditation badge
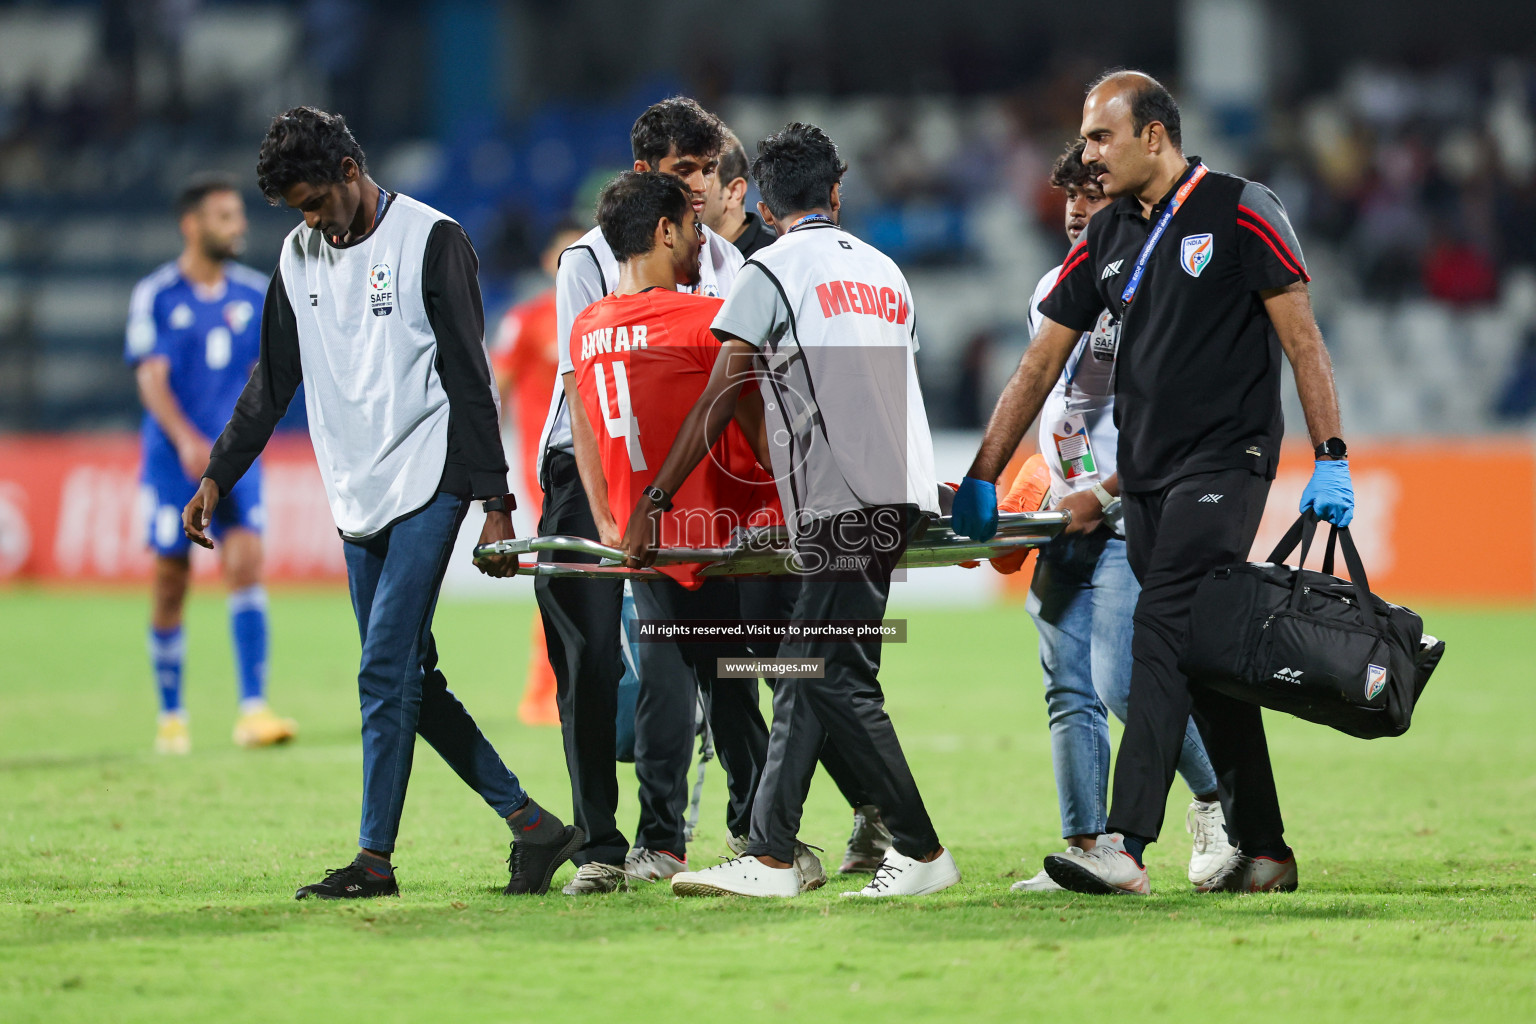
<point>1074,451</point>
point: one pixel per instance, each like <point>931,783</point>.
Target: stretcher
<point>765,551</point>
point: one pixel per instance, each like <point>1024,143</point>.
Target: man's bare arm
<point>589,463</point>
<point>1022,398</point>
<point>753,422</point>
<point>153,377</point>
<point>1290,311</point>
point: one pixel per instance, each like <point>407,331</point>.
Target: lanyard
<point>810,218</point>
<point>1157,232</point>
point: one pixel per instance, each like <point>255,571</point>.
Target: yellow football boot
<point>261,728</point>
<point>172,736</point>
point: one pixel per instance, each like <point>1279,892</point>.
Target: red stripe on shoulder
<point>1076,258</point>
<point>1075,255</point>
<point>1263,237</point>
<point>1274,235</point>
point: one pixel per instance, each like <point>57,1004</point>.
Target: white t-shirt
<point>587,272</point>
<point>1077,422</point>
<point>832,319</point>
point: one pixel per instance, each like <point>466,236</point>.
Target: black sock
<point>532,823</point>
<point>1274,851</point>
<point>1136,846</point>
<point>376,864</point>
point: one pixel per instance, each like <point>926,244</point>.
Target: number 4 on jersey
<point>624,426</point>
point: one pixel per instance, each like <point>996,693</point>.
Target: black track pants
<point>1173,538</point>
<point>581,632</point>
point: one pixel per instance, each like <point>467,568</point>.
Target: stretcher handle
<point>553,542</point>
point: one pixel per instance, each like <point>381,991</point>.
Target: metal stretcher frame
<point>766,552</point>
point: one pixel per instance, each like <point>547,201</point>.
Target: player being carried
<point>642,355</point>
<point>193,330</point>
<point>827,321</point>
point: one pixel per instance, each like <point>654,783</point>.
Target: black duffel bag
<point>1308,643</point>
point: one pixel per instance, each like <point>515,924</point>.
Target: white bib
<point>378,414</point>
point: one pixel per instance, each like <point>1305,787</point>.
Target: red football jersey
<point>641,362</point>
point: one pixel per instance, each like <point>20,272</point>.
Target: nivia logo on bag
<point>1287,675</point>
<point>1375,680</point>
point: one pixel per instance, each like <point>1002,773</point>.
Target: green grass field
<point>135,887</point>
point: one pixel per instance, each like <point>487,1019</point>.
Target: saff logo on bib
<point>1195,253</point>
<point>381,295</point>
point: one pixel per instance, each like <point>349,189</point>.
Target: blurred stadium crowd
<point>1413,188</point>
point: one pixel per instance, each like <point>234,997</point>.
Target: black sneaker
<point>353,882</point>
<point>534,864</point>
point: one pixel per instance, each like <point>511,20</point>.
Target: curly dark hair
<point>676,121</point>
<point>630,206</point>
<point>796,168</point>
<point>1068,170</point>
<point>304,145</point>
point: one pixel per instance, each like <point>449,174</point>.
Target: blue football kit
<point>211,340</point>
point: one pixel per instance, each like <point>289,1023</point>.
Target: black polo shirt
<point>755,236</point>
<point>1197,385</point>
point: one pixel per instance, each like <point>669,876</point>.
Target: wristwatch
<point>659,498</point>
<point>1108,502</point>
<point>1333,448</point>
<point>501,503</point>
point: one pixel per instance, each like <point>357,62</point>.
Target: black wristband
<point>1333,448</point>
<point>500,503</point>
<point>659,498</point>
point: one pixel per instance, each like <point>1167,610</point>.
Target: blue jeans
<point>394,577</point>
<point>1082,599</point>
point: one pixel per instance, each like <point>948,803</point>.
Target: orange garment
<point>524,359</point>
<point>538,706</point>
<point>1031,492</point>
<point>525,356</point>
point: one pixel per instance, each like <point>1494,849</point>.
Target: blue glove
<point>1329,493</point>
<point>974,513</point>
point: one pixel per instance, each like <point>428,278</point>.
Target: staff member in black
<point>1207,278</point>
<point>725,203</point>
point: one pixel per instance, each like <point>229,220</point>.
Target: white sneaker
<point>739,876</point>
<point>812,874</point>
<point>900,875</point>
<point>644,865</point>
<point>1212,851</point>
<point>1107,868</point>
<point>1040,883</point>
